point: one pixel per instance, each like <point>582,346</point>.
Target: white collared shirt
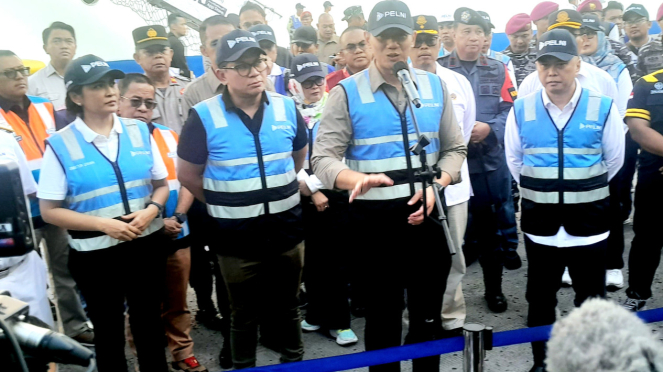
<point>54,181</point>
<point>590,77</point>
<point>47,83</point>
<point>276,71</point>
<point>613,156</point>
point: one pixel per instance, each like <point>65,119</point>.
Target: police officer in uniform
<point>492,230</point>
<point>154,55</point>
<point>563,143</point>
<point>366,120</point>
<point>645,121</point>
<point>240,153</point>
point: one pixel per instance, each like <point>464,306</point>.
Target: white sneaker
<point>566,278</point>
<point>614,278</point>
<point>344,336</point>
<point>306,327</point>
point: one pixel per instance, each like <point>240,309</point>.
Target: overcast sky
<point>105,29</point>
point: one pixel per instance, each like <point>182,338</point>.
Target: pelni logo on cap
<point>261,32</point>
<point>92,65</point>
<point>552,42</point>
<point>393,13</point>
<point>242,39</point>
<point>307,64</point>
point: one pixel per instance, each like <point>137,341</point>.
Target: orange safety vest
<point>166,140</point>
<point>31,136</point>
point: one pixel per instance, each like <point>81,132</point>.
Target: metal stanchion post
<point>478,339</point>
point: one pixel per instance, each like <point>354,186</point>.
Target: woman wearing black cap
<point>104,182</point>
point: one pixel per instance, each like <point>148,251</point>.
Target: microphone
<point>403,73</point>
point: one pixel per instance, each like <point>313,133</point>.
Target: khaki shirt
<point>169,110</point>
<point>47,83</point>
<point>327,48</point>
<point>335,133</point>
<point>204,87</point>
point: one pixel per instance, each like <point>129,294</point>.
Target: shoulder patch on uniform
<point>651,78</point>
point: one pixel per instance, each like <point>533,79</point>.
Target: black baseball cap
<point>263,32</point>
<point>233,46</point>
<point>306,35</point>
<point>635,10</point>
<point>305,66</point>
<point>565,18</point>
<point>389,14</point>
<point>87,70</point>
<point>147,36</point>
<point>327,3</point>
<point>560,44</point>
<point>470,17</point>
<point>424,24</point>
<point>592,22</point>
<point>299,6</point>
<point>486,18</point>
<point>351,12</point>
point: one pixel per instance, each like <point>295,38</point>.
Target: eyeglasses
<point>309,83</point>
<point>431,41</point>
<point>353,47</point>
<point>11,74</point>
<point>635,22</point>
<point>244,69</point>
<point>589,35</point>
<point>137,102</point>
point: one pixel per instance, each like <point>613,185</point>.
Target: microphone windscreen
<point>399,66</point>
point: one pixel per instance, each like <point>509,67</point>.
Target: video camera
<point>16,237</point>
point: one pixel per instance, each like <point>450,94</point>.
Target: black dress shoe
<point>538,369</point>
<point>512,261</point>
<point>225,357</point>
<point>496,303</point>
<point>210,318</point>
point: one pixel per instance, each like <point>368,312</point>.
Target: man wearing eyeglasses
<point>492,232</point>
<point>355,51</point>
<point>137,101</point>
<point>650,57</point>
<point>154,55</point>
<point>240,153</point>
<point>424,56</point>
<point>367,121</point>
<point>636,27</point>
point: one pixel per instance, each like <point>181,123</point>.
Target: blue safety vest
<point>564,179</point>
<point>381,136</point>
<point>248,176</point>
<point>98,187</point>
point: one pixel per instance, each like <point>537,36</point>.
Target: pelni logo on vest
<point>279,127</point>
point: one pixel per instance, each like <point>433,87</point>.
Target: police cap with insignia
<point>234,45</point>
<point>470,17</point>
<point>424,24</point>
<point>389,14</point>
<point>87,70</point>
<point>565,18</point>
<point>147,36</point>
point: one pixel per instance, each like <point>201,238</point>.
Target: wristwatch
<point>180,217</point>
<point>159,206</point>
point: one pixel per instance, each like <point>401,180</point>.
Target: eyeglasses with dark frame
<point>137,102</point>
<point>13,73</point>
<point>309,83</point>
<point>244,69</point>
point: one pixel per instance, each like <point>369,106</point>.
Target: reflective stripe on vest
<point>584,173</point>
<point>166,140</point>
<point>247,176</point>
<point>31,136</point>
<point>378,136</point>
<point>97,187</point>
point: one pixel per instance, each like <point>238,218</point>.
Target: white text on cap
<point>242,39</point>
<point>307,64</point>
<point>92,65</point>
<point>544,44</point>
<point>393,13</point>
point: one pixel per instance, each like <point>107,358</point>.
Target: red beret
<point>590,6</point>
<point>519,22</point>
<point>659,15</point>
<point>543,10</point>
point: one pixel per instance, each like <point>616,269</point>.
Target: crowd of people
<point>300,159</point>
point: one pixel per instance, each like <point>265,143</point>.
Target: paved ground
<point>508,359</point>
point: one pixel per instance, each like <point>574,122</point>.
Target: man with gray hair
<point>600,336</point>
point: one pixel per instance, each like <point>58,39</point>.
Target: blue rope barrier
<point>414,351</point>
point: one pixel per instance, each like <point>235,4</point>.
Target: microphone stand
<point>427,174</point>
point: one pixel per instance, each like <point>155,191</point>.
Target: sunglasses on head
<point>137,102</point>
<point>317,81</point>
